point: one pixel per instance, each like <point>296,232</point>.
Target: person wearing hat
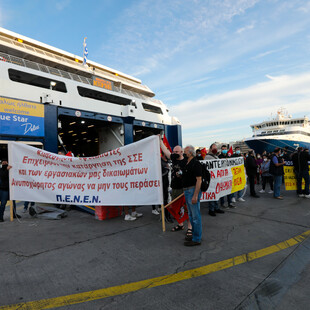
<point>4,188</point>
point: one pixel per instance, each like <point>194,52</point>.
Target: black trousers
<point>268,179</point>
<point>251,178</point>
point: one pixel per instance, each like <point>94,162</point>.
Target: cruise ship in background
<point>280,131</point>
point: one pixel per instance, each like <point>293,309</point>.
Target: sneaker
<point>270,192</point>
<point>224,207</point>
<point>262,191</point>
<point>25,210</point>
<point>307,196</point>
<point>155,212</point>
<point>233,199</point>
<point>219,211</point>
<point>301,195</point>
<point>128,217</point>
<point>1,220</point>
<point>136,214</point>
<point>212,213</point>
<point>16,216</point>
<point>241,199</point>
<point>231,206</point>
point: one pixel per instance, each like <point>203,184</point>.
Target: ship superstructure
<point>280,131</point>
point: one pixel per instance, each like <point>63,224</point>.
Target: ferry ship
<point>48,97</point>
<point>280,131</point>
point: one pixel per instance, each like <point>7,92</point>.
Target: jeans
<point>194,213</point>
<point>213,205</point>
<point>4,196</point>
<point>26,204</point>
<point>277,185</point>
<point>222,199</point>
<point>237,194</point>
<point>302,175</point>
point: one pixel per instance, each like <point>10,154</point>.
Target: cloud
<point>235,108</point>
<point>305,8</point>
<point>151,33</point>
<point>249,27</point>
<point>261,55</point>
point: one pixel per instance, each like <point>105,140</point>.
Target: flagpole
<point>163,218</point>
<point>11,210</point>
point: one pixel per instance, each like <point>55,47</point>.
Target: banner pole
<point>163,218</point>
<point>11,210</point>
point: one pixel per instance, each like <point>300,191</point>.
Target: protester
<point>191,180</point>
<point>4,189</point>
<point>26,204</point>
<point>276,169</point>
<point>198,154</point>
<point>213,205</point>
<point>165,185</point>
<point>251,169</point>
<point>258,160</point>
<point>266,176</point>
<point>287,154</point>
<point>301,169</point>
<point>133,216</point>
<point>230,196</point>
<point>178,164</point>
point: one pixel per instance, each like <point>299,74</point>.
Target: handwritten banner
<point>290,180</point>
<point>226,177</point>
<point>21,118</point>
<point>130,175</point>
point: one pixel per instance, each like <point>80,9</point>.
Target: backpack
<point>272,167</point>
<point>205,178</point>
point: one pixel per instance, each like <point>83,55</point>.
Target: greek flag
<point>85,52</point>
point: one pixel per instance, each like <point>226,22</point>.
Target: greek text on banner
<point>226,177</point>
<point>130,175</point>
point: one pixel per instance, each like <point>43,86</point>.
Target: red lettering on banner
<point>237,181</point>
<point>223,186</point>
<point>208,195</point>
<point>212,175</point>
<point>222,173</point>
<point>135,157</point>
<point>236,170</point>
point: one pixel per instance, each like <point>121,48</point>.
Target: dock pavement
<point>256,256</point>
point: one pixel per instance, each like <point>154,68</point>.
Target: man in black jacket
<point>4,189</point>
<point>301,169</point>
<point>251,170</point>
<point>4,186</point>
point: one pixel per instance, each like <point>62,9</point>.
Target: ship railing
<point>67,75</point>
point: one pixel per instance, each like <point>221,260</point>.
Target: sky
<point>219,66</point>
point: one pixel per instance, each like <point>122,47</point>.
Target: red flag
<point>178,209</point>
<point>230,152</point>
<point>166,143</point>
<point>203,153</point>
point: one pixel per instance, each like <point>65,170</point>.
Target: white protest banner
<point>130,175</point>
<point>226,177</point>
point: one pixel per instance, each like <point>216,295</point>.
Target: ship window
<point>36,80</point>
<point>98,95</point>
<point>152,108</point>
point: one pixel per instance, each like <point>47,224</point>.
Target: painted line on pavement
<point>158,281</point>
